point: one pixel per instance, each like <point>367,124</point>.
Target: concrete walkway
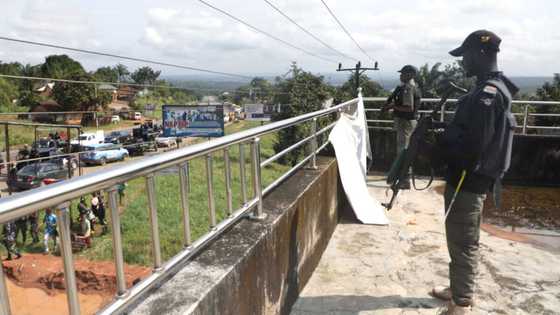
<point>389,270</point>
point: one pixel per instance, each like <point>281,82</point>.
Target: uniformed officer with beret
<point>476,146</point>
<point>405,101</point>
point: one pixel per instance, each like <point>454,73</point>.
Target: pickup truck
<point>89,138</point>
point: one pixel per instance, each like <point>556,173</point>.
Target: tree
<point>303,93</point>
<point>123,72</point>
<point>145,75</point>
<point>80,96</point>
<point>61,67</point>
<point>348,90</point>
<point>8,93</point>
<point>550,91</point>
<point>107,74</point>
<point>11,68</point>
<point>429,79</point>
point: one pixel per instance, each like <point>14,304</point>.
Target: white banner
<point>350,140</point>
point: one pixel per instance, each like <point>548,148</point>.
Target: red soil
<point>96,283</point>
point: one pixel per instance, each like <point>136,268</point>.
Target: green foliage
<point>550,91</point>
<point>348,90</point>
<point>106,74</point>
<point>428,79</point>
<point>145,75</point>
<point>61,67</point>
<point>303,93</point>
<point>74,97</point>
<point>8,93</point>
<point>11,68</point>
<point>122,72</point>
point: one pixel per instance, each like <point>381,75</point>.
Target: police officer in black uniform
<point>476,146</point>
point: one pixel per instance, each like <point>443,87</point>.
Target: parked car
<point>121,136</point>
<point>102,153</point>
<point>136,116</point>
<point>115,119</point>
<point>31,176</point>
<point>166,142</point>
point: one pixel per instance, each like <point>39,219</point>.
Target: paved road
<point>389,270</point>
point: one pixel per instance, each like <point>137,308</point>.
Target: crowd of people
<point>89,218</point>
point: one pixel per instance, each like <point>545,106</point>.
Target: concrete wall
<point>259,267</point>
<point>535,158</point>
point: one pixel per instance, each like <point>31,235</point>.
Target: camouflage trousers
<point>462,229</point>
<point>11,248</point>
<point>404,129</point>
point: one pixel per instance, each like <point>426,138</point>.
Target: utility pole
<point>357,71</point>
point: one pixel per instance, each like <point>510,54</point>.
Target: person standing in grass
<point>34,226</point>
<point>121,188</point>
<point>9,234</point>
<point>50,229</point>
<point>21,228</point>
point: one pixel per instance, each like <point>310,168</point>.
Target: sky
<point>187,32</point>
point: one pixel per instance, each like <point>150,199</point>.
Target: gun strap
<point>429,182</point>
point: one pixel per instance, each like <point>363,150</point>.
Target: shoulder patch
<point>486,101</point>
<point>490,90</point>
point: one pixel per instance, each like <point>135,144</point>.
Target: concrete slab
<point>390,269</point>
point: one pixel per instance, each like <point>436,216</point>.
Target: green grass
<point>135,219</point>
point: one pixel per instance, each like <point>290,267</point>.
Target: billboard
<point>256,112</point>
<point>193,120</point>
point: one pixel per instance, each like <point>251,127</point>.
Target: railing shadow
<point>356,304</point>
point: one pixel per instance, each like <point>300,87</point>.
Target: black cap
<point>408,69</point>
<point>481,39</point>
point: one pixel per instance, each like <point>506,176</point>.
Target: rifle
<point>391,98</point>
<point>399,169</point>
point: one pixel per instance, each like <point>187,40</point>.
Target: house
<point>48,106</point>
<point>126,93</point>
<point>44,89</point>
<point>109,89</point>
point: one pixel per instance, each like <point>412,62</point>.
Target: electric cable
<point>91,52</point>
<point>345,30</point>
<point>264,32</point>
<point>308,32</point>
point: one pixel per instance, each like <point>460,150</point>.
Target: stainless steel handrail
<point>53,196</point>
<point>524,126</point>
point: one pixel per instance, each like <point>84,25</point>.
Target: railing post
<point>242,172</point>
<point>229,198</point>
<point>4,298</point>
<point>525,119</point>
<point>63,223</point>
<point>184,185</point>
<point>117,242</point>
<point>156,248</point>
<point>210,185</point>
<point>258,214</point>
<point>442,113</point>
<point>314,144</point>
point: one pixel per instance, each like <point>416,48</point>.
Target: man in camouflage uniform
<point>476,146</point>
<point>9,239</point>
<point>405,101</point>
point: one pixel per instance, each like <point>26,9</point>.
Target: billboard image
<point>193,120</point>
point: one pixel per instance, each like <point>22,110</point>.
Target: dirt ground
<point>531,207</point>
<point>36,283</point>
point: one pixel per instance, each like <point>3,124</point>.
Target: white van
<point>137,116</point>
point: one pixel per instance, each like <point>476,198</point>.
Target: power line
<point>308,32</point>
<point>91,52</point>
<point>345,30</point>
<point>238,91</point>
<point>264,32</point>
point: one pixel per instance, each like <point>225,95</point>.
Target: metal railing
<point>524,126</point>
<point>60,195</point>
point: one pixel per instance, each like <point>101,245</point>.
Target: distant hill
<point>527,85</point>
